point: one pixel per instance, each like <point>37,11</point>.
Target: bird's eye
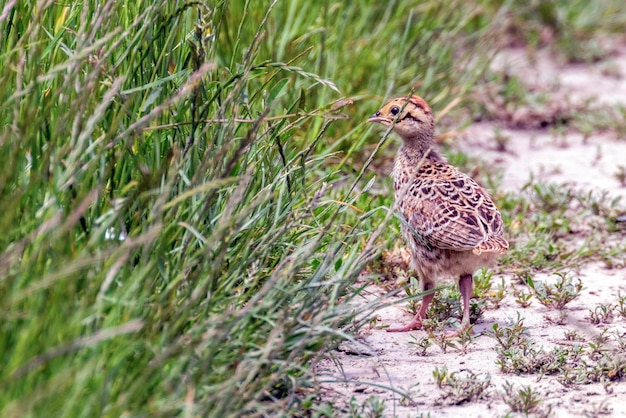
<point>395,110</point>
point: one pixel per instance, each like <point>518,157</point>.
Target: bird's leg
<point>416,323</point>
<point>465,286</point>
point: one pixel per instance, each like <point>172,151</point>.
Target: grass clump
<point>182,219</point>
<point>166,249</point>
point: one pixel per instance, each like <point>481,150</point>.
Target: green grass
<point>208,138</point>
<point>185,191</point>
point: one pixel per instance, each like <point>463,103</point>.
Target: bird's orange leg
<point>416,323</point>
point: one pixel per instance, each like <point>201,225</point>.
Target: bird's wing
<point>453,212</point>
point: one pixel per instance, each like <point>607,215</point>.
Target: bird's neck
<point>410,158</point>
<point>418,148</point>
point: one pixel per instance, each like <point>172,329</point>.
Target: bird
<point>450,223</point>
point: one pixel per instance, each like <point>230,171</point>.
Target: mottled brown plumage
<point>451,224</point>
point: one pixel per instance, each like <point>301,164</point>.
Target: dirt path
<point>547,155</point>
<point>387,365</point>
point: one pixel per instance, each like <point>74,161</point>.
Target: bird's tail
<point>492,245</point>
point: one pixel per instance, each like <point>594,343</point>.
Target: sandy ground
<point>388,361</point>
<point>386,364</point>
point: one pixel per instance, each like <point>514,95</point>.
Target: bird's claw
<point>409,327</point>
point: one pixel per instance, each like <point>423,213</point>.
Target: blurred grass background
<point>186,201</point>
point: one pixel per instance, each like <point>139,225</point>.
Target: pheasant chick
<point>450,223</point>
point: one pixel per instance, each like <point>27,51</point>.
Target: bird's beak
<point>376,118</point>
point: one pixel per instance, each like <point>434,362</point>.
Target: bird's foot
<point>415,324</point>
<point>465,332</point>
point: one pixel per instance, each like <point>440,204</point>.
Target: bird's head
<point>411,118</point>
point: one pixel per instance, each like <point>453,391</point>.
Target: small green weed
<point>464,337</point>
<point>557,295</point>
<point>421,345</point>
<point>522,298</point>
<point>502,140</point>
<point>446,305</point>
<point>573,335</point>
<point>462,386</point>
<point>411,290</point>
<point>509,337</point>
<point>598,342</point>
<point>494,298</point>
<point>620,339</point>
<point>437,333</point>
<point>601,314</point>
<point>621,304</point>
<point>482,282</point>
<point>372,407</point>
<point>524,399</point>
